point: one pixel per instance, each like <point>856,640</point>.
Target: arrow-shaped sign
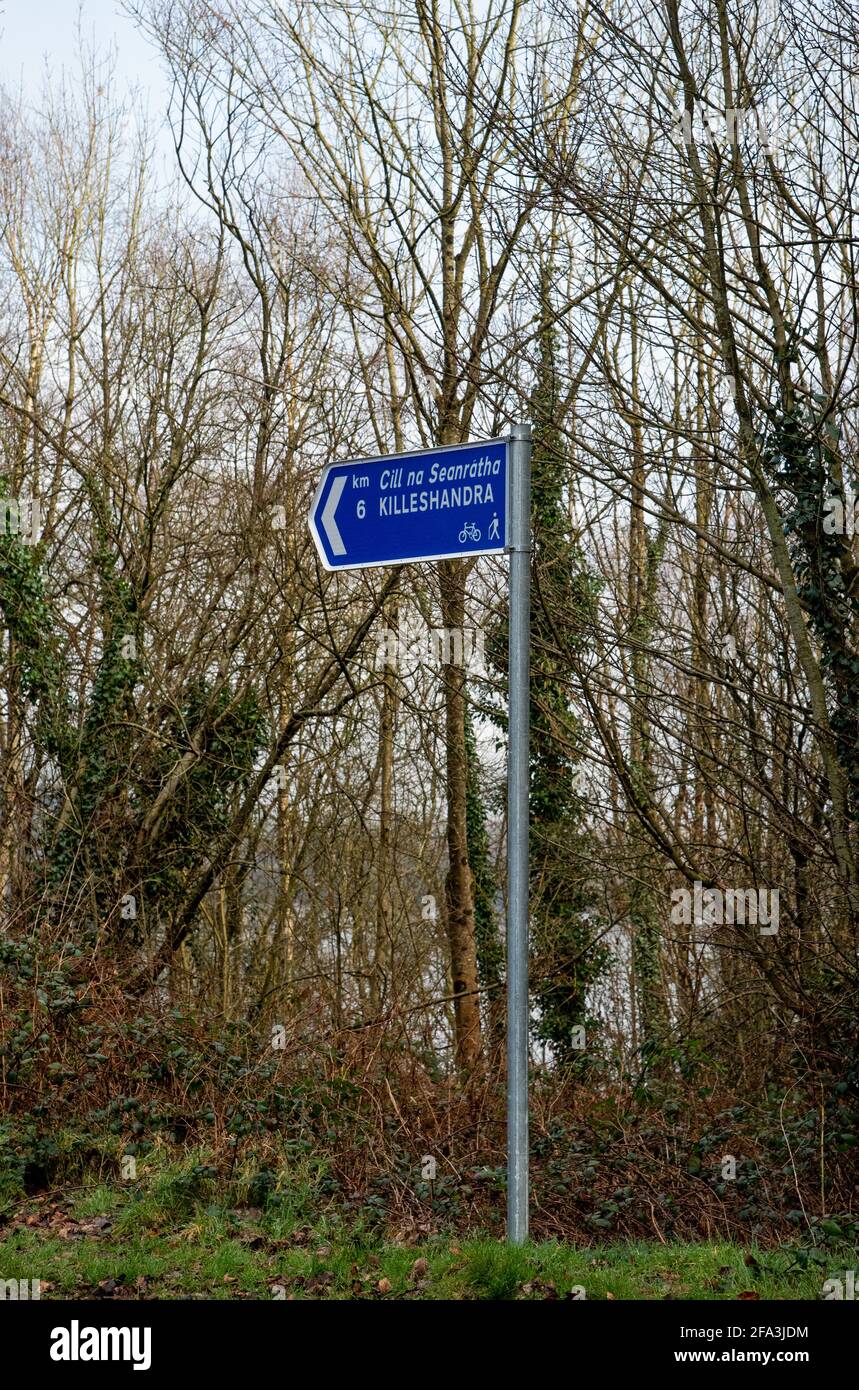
<point>437,504</point>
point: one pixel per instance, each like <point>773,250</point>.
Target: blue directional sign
<point>437,504</point>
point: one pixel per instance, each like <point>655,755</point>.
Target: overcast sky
<point>34,33</point>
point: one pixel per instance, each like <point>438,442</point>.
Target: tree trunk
<point>459,893</point>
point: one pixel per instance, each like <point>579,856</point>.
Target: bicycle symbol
<point>469,532</point>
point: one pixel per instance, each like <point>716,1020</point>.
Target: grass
<point>197,1262</point>
<point>216,1256</point>
<point>171,1234</point>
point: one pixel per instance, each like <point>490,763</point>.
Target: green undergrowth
<point>177,1230</point>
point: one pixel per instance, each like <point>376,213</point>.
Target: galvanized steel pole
<point>519,547</point>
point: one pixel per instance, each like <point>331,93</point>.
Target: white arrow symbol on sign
<point>329,525</point>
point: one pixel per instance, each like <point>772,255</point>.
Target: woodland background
<point>252,879</point>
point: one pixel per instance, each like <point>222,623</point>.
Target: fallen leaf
<point>749,1294</point>
<point>420,1269</point>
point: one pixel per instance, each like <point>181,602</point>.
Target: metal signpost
<point>518,730</point>
<point>442,504</point>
